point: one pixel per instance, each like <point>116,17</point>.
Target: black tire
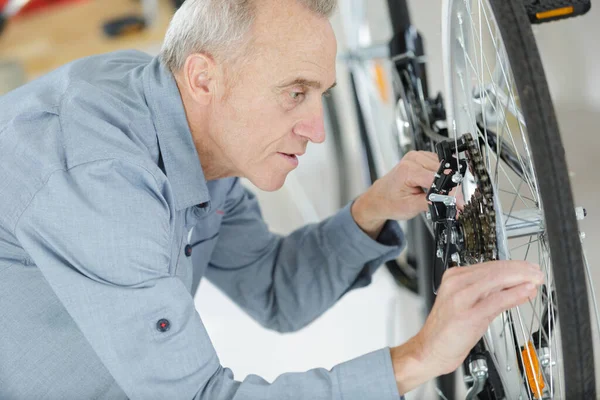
<point>555,191</point>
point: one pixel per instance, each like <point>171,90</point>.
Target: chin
<point>269,183</point>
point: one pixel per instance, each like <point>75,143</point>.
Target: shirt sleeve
<point>286,282</point>
<point>100,233</point>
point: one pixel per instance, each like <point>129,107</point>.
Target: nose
<point>312,127</point>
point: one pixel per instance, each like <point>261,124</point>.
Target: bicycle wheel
<point>521,206</point>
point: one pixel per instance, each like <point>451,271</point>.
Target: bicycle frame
<point>406,46</point>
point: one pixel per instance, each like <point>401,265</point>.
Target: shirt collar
<point>181,161</point>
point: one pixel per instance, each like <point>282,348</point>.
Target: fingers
<point>431,156</point>
<point>478,282</point>
<point>425,159</point>
<point>420,177</point>
<point>495,304</point>
<point>420,170</point>
<point>457,192</point>
<point>422,202</point>
<point>501,270</point>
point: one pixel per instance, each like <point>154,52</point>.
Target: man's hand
<point>468,300</point>
<point>399,194</point>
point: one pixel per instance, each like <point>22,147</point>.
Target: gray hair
<point>217,27</point>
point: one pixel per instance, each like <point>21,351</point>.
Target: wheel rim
<point>482,100</point>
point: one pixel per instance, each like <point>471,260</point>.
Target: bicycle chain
<point>478,217</point>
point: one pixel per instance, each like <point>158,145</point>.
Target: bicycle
<point>499,145</point>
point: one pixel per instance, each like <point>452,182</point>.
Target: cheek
<point>252,126</point>
<point>266,123</point>
<point>243,133</point>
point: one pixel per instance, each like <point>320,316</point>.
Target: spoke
<point>468,61</point>
<point>516,191</point>
<point>517,194</point>
<point>512,206</point>
<point>523,245</point>
<point>529,221</point>
<point>467,96</point>
<point>483,113</point>
<point>514,103</point>
<point>499,147</point>
<point>504,322</point>
<point>538,318</point>
<point>498,133</point>
<point>528,247</point>
<point>512,184</point>
<point>506,81</point>
<point>534,307</point>
<point>525,177</point>
<point>503,115</point>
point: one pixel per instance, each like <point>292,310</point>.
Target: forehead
<point>294,40</point>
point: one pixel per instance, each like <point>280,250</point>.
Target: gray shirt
<point>107,225</point>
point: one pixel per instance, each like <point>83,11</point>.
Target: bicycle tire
<point>559,211</point>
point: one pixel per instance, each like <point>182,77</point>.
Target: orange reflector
<point>381,81</point>
<point>533,371</point>
<point>559,12</point>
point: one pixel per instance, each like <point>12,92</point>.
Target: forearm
<point>319,263</point>
<point>368,377</point>
<point>285,283</point>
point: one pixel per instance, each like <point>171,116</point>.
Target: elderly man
<point>120,189</point>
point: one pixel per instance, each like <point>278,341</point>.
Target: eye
<point>297,96</point>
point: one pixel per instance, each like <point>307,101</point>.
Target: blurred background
<point>40,35</point>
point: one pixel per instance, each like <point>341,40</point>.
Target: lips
<point>291,157</point>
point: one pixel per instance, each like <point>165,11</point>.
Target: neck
<point>212,159</point>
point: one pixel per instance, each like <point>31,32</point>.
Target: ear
<point>200,77</point>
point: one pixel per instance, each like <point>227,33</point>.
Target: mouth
<point>291,157</point>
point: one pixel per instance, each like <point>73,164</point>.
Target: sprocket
<point>477,221</point>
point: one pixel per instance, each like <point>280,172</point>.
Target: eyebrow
<point>307,83</point>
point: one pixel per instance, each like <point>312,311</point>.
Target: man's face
<point>274,107</point>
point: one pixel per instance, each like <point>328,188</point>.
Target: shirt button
<point>163,325</point>
<point>188,250</point>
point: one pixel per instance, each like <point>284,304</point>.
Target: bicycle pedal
<point>540,11</point>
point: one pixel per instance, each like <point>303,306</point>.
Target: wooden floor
<point>46,40</point>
